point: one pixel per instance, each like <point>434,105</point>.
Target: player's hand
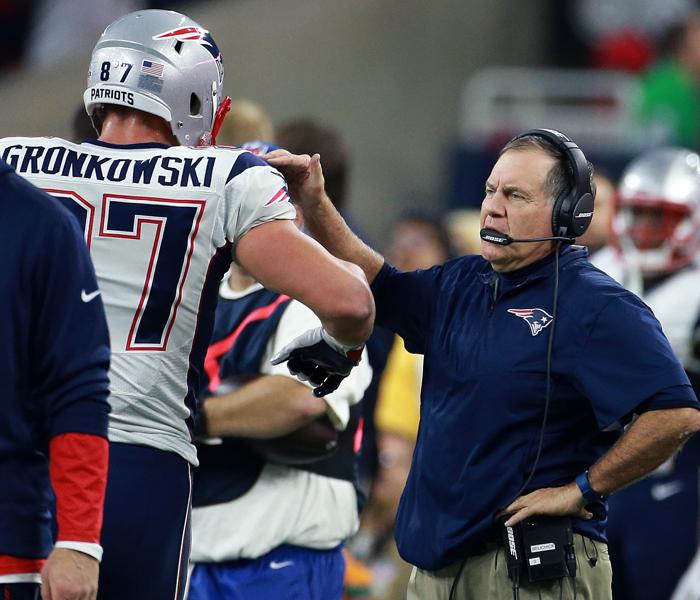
<point>303,174</point>
<point>69,575</point>
<point>317,357</point>
<point>561,501</point>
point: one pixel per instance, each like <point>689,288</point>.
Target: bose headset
<point>572,211</point>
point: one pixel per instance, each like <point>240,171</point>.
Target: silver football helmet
<point>657,225</point>
<point>163,63</point>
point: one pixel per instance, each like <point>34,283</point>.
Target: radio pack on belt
<point>542,547</point>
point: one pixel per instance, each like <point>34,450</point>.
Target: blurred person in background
<point>484,399</point>
<point>653,524</point>
<point>597,235</point>
<point>308,135</point>
<point>163,222</point>
<point>246,122</point>
<point>417,241</point>
<point>670,90</point>
<point>463,226</point>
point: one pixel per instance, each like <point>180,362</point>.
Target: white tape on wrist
<point>94,550</point>
<point>336,345</point>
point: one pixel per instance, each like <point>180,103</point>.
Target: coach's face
<point>516,203</point>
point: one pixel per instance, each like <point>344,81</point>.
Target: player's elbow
<point>355,307</point>
<point>691,421</point>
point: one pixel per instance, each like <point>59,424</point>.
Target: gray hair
<point>560,176</point>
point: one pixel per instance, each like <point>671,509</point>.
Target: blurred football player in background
<point>654,254</point>
<point>163,223</point>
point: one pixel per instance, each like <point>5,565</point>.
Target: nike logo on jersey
<point>281,565</point>
<point>85,297</point>
<point>662,491</point>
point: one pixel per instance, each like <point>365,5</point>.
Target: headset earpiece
<point>572,211</point>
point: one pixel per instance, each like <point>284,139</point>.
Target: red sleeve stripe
<point>218,349</point>
<point>11,565</point>
<point>280,196</point>
<point>78,464</point>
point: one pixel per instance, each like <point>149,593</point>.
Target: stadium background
<point>390,74</point>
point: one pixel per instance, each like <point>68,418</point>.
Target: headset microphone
<point>503,239</point>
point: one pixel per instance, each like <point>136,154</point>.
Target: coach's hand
<point>566,500</point>
<point>304,176</point>
<point>317,357</point>
<point>69,575</point>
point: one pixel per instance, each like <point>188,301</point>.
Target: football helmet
<point>163,63</point>
<point>657,225</point>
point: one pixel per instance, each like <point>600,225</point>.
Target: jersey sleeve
<point>69,343</point>
<point>404,303</point>
<point>296,319</point>
<point>627,361</point>
<point>256,193</point>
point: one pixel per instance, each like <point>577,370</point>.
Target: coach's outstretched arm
<point>306,185</point>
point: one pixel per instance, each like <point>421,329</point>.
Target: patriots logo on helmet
<point>196,34</point>
<point>536,318</point>
<point>183,34</point>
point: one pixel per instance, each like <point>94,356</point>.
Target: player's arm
<point>306,185</point>
<point>283,259</point>
<point>268,407</point>
<point>70,351</point>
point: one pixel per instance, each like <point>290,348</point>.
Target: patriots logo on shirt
<point>536,318</point>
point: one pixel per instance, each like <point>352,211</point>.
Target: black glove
<point>317,357</point>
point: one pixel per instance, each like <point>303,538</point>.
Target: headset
<point>572,211</point>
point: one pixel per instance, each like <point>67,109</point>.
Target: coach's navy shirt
<point>54,355</point>
<point>484,335</point>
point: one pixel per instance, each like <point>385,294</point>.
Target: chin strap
<point>209,138</point>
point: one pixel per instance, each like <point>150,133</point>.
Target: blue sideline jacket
<point>484,335</point>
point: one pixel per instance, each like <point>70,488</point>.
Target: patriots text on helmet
<point>162,169</point>
<point>107,94</point>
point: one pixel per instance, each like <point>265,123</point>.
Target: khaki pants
<point>485,577</point>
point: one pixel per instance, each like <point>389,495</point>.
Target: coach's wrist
<point>590,495</point>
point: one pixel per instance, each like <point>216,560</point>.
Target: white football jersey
<point>675,301</point>
<point>161,224</point>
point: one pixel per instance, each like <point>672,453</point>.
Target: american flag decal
<point>152,68</point>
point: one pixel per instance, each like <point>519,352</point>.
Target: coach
<point>534,361</point>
